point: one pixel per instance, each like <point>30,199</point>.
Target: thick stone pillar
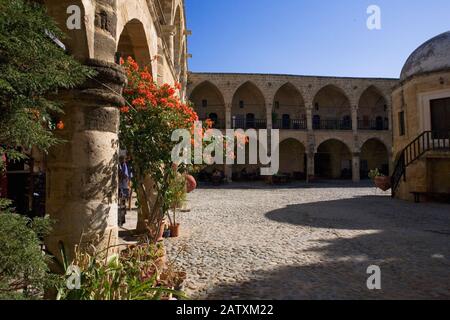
<point>355,167</point>
<point>82,171</point>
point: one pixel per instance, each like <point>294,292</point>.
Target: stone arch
<point>288,109</point>
<point>178,39</point>
<point>374,154</point>
<point>167,9</point>
<point>207,100</point>
<point>249,107</point>
<point>133,43</point>
<point>332,109</point>
<point>79,43</point>
<point>373,111</point>
<point>292,158</point>
<point>138,10</point>
<point>333,160</point>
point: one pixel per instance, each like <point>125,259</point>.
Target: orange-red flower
<point>60,125</point>
<point>125,109</point>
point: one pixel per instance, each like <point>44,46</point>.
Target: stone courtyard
<point>311,242</point>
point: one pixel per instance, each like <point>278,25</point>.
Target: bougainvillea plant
<point>148,120</point>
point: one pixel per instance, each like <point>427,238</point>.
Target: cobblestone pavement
<point>311,242</point>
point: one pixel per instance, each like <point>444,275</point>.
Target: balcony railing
<point>290,124</point>
<point>249,123</point>
<point>332,125</point>
<point>379,125</point>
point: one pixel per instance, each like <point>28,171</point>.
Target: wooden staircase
<point>427,141</point>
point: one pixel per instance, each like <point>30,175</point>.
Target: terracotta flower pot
<point>175,230</point>
<point>191,184</point>
<point>383,183</point>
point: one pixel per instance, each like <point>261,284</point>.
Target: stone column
<point>82,174</point>
<point>169,33</point>
<point>228,120</point>
<point>269,116</point>
<point>355,119</point>
<point>389,115</point>
<point>310,157</point>
<point>355,167</point>
<point>309,118</point>
<point>228,173</point>
<point>310,167</point>
<point>229,123</point>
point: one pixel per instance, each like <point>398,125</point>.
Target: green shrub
<point>137,273</point>
<point>375,173</point>
<point>24,272</point>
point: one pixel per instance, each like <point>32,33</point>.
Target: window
<point>401,123</point>
<point>204,103</point>
<point>241,104</point>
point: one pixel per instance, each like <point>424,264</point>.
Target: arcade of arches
<point>330,128</point>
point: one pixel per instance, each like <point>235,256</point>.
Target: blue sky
<point>310,37</point>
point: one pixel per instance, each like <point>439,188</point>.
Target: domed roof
<point>433,55</point>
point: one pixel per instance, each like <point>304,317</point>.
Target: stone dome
<point>433,55</point>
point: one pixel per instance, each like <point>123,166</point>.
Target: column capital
<point>169,30</point>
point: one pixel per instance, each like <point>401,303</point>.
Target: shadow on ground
<point>411,245</point>
<point>261,185</point>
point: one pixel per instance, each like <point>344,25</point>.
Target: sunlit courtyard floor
<point>252,241</point>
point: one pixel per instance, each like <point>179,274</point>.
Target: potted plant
<point>381,181</point>
<point>177,195</point>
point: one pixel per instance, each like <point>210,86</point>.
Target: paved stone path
<point>311,242</point>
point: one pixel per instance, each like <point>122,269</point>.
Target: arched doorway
<point>293,159</point>
<point>133,43</point>
<point>209,103</point>
<point>248,100</point>
<point>374,155</point>
<point>333,160</point>
<point>289,109</point>
<point>331,109</point>
<point>372,110</point>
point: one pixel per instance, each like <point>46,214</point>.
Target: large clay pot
<point>191,184</point>
<point>175,230</point>
<point>383,183</point>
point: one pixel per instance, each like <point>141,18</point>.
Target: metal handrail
<point>373,124</point>
<point>426,141</point>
